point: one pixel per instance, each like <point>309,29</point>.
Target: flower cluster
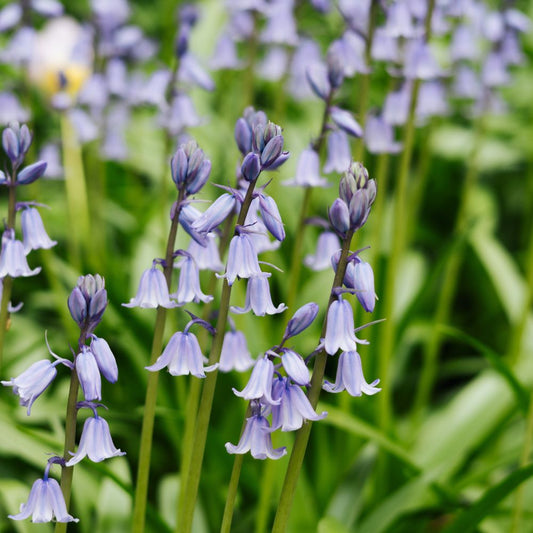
<point>87,303</point>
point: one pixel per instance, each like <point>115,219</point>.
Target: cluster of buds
<point>357,193</point>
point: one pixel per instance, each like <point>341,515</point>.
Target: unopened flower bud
<point>301,320</point>
<point>251,167</point>
<point>339,216</point>
<point>31,173</point>
<point>335,68</point>
<point>243,136</point>
<point>345,121</point>
<point>271,130</point>
<point>359,209</point>
<point>271,151</point>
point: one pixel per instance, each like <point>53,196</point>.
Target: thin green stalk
<point>78,236</point>
<point>8,280</point>
<point>296,259</point>
<point>206,401</point>
<point>193,399</point>
<point>388,337</point>
<point>265,496</point>
<point>67,472</point>
<point>143,471</point>
<point>450,277</point>
<point>302,436</point>
<point>225,527</point>
<point>364,92</point>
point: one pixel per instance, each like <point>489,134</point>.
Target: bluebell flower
<point>225,55</point>
<point>216,213</point>
<point>114,146</point>
<point>192,72</point>
<point>188,214</point>
<point>338,152</point>
<point>105,359</point>
<point>350,49</point>
<point>50,153</point>
<point>259,235</point>
<point>274,65</point>
<point>295,367</point>
<point>308,171</point>
<point>190,168</point>
<point>360,277</point>
<point>33,232</point>
<point>356,14</point>
<point>432,100</point>
<point>235,354</point>
<point>350,377</point>
<point>180,115</point>
<point>256,439</point>
<point>182,355</point>
<point>340,330</point>
<point>328,243</point>
<point>152,291</point>
<point>379,137</point>
<point>399,21</point>
<point>95,442</point>
<point>306,54</point>
<point>13,260</point>
<point>384,47</point>
<point>511,49</point>
<point>493,26</point>
<point>11,110</point>
<point>464,46</point>
<point>396,106</point>
<point>259,386</point>
<point>345,121</point>
<point>258,298</point>
<point>89,374</point>
<point>494,72</point>
<point>16,141</point>
<point>207,257</point>
<point>339,216</point>
<point>466,83</point>
<point>242,258</point>
<point>10,16</point>
<point>29,385</point>
<point>45,503</point>
<point>280,26</point>
<point>189,283</point>
<point>317,77</point>
<point>294,407</point>
<point>31,173</point>
<point>271,217</point>
<point>301,320</point>
<point>420,62</point>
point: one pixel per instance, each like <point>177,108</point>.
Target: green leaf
<point>488,503</point>
<point>331,525</point>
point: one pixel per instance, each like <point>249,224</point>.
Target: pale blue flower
<point>95,442</point>
<point>89,374</point>
<point>301,320</point>
<point>207,257</point>
<point>13,260</point>
<point>152,291</point>
<point>235,354</point>
<point>294,407</point>
<point>340,330</point>
<point>182,355</point>
<point>242,259</point>
<point>256,439</point>
<point>308,171</point>
<point>350,377</point>
<point>259,386</point>
<point>105,359</point>
<point>33,232</point>
<point>189,283</point>
<point>338,152</point>
<point>258,298</point>
<point>45,503</point>
<point>295,367</point>
<point>328,243</point>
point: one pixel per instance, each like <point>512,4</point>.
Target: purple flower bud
<point>88,301</point>
<point>105,359</point>
<point>77,306</point>
<point>301,320</point>
<point>359,209</point>
<point>95,442</point>
<point>271,152</point>
<point>190,168</point>
<point>178,166</point>
<point>88,374</point>
<point>251,167</point>
<point>10,144</point>
<point>33,382</point>
<point>243,136</point>
<point>33,232</point>
<point>215,214</point>
<point>271,217</point>
<point>339,216</point>
<point>360,277</point>
<point>200,179</point>
<point>31,173</point>
<point>188,215</point>
<point>295,367</point>
<point>345,121</point>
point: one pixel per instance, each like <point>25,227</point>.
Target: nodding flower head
<point>88,301</point>
<point>13,259</point>
<point>152,291</point>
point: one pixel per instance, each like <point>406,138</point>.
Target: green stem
<point>143,471</point>
<point>206,401</point>
<point>8,280</point>
<point>450,277</point>
<point>70,443</point>
<point>302,436</point>
<point>79,234</point>
<point>364,92</point>
<point>232,494</point>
